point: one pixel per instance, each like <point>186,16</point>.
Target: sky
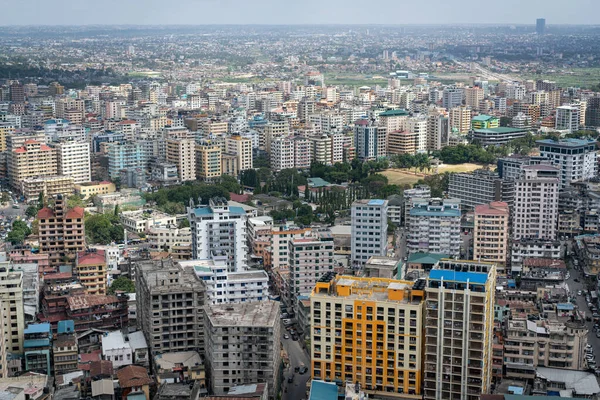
<point>199,12</point>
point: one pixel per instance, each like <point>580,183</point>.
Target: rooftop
<point>455,276</point>
<point>114,340</point>
<point>394,113</point>
<point>37,328</point>
<point>569,142</point>
<point>258,314</point>
<point>500,130</point>
<point>168,361</point>
<point>426,258</point>
<point>320,390</point>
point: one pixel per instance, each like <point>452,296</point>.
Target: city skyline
<point>154,12</point>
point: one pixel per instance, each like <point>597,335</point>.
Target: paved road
<point>400,246</point>
<point>297,389</point>
<point>581,303</point>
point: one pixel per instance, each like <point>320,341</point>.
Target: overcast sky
<point>82,12</point>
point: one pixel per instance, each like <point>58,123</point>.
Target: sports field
<point>403,176</point>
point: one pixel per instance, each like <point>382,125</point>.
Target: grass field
<point>578,77</point>
<point>405,177</point>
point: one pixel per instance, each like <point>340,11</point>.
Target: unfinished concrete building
<point>242,345</point>
<point>170,305</point>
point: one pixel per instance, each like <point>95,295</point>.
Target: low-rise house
<point>139,347</point>
<point>116,350</point>
<point>133,381</point>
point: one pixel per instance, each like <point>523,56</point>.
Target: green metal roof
<point>502,129</point>
<point>426,258</point>
<point>483,118</point>
<point>393,113</point>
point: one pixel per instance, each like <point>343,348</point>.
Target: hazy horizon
<point>309,12</point>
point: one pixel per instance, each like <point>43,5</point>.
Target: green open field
<point>344,79</point>
<point>577,77</point>
<point>406,177</point>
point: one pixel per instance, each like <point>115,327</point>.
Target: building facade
<point>490,234</point>
<point>434,227</point>
<point>369,230</point>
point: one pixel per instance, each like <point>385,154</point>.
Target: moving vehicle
<point>303,370</point>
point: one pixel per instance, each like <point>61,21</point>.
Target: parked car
<point>286,336</point>
<point>296,369</point>
<point>287,321</point>
<point>303,370</point>
<point>579,292</point>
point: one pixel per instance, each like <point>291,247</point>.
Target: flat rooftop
<point>257,314</point>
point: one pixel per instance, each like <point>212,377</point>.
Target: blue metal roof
<point>454,276</point>
<point>37,328</point>
<point>565,306</point>
<point>320,390</point>
<point>236,210</point>
<point>67,326</point>
<point>209,211</point>
<point>376,202</point>
<point>448,212</point>
<point>569,142</point>
<point>28,344</point>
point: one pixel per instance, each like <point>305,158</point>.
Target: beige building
<point>460,119</point>
<point>11,299</point>
<point>369,331</point>
<point>182,152</point>
<point>50,186</point>
<point>490,234</point>
<point>473,95</point>
<point>459,330</point>
<point>166,238</point>
<point>87,190</point>
<point>321,149</point>
<point>61,231</point>
<point>271,131</point>
<point>74,160</point>
<point>230,164</point>
<point>64,350</point>
<point>242,148</point>
<point>280,239</point>
<point>33,159</point>
<point>208,161</point>
<point>543,343</point>
<point>5,130</point>
<point>402,142</point>
<point>90,268</point>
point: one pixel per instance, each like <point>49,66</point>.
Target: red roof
<point>89,357</point>
<point>58,275</point>
<point>20,150</point>
<point>361,122</point>
<point>90,258</point>
<point>240,198</point>
<point>76,212</point>
<point>45,148</point>
<point>133,376</point>
<point>31,141</point>
<point>45,213</point>
<point>102,367</point>
<point>127,121</point>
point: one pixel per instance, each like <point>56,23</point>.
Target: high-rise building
<point>473,95</point>
<point>219,233</point>
<point>418,126</point>
<point>17,93</point>
<point>567,118</point>
<point>61,231</point>
<point>576,158</point>
<point>368,331</point>
<point>169,306</point>
<point>460,119</point>
<point>434,227</point>
<point>90,268</point>
<point>282,153</point>
<point>208,161</point>
<point>242,148</point>
<point>452,97</point>
<point>12,311</point>
<point>490,234</point>
<point>480,187</point>
<point>536,203</point>
<point>74,160</point>
<point>369,230</point>
<point>253,329</point>
<point>182,152</point>
<point>310,257</point>
<point>540,26</point>
<point>31,160</point>
<point>369,141</point>
<point>321,149</point>
<point>459,328</point>
<point>128,155</point>
<point>437,131</point>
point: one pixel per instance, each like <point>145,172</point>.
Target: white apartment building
<point>337,148</point>
<point>418,126</point>
<point>138,221</point>
<point>74,160</point>
<point>310,258</point>
<point>219,233</point>
<point>536,203</point>
<point>11,296</point>
<point>369,230</point>
<point>434,227</point>
<point>116,350</point>
<point>302,152</point>
<point>576,158</point>
<point>280,238</point>
<point>224,287</point>
<point>567,118</point>
<point>282,153</point>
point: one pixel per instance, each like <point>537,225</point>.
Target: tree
<point>103,229</point>
<point>4,198</point>
<point>122,284</point>
<point>230,184</point>
<point>31,211</point>
<point>185,223</point>
<point>41,202</point>
<point>75,201</point>
<point>18,232</point>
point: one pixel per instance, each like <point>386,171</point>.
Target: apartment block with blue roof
<point>36,347</point>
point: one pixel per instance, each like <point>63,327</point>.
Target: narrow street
<point>574,287</point>
<point>296,390</point>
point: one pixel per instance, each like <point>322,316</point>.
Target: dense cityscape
<point>306,212</point>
